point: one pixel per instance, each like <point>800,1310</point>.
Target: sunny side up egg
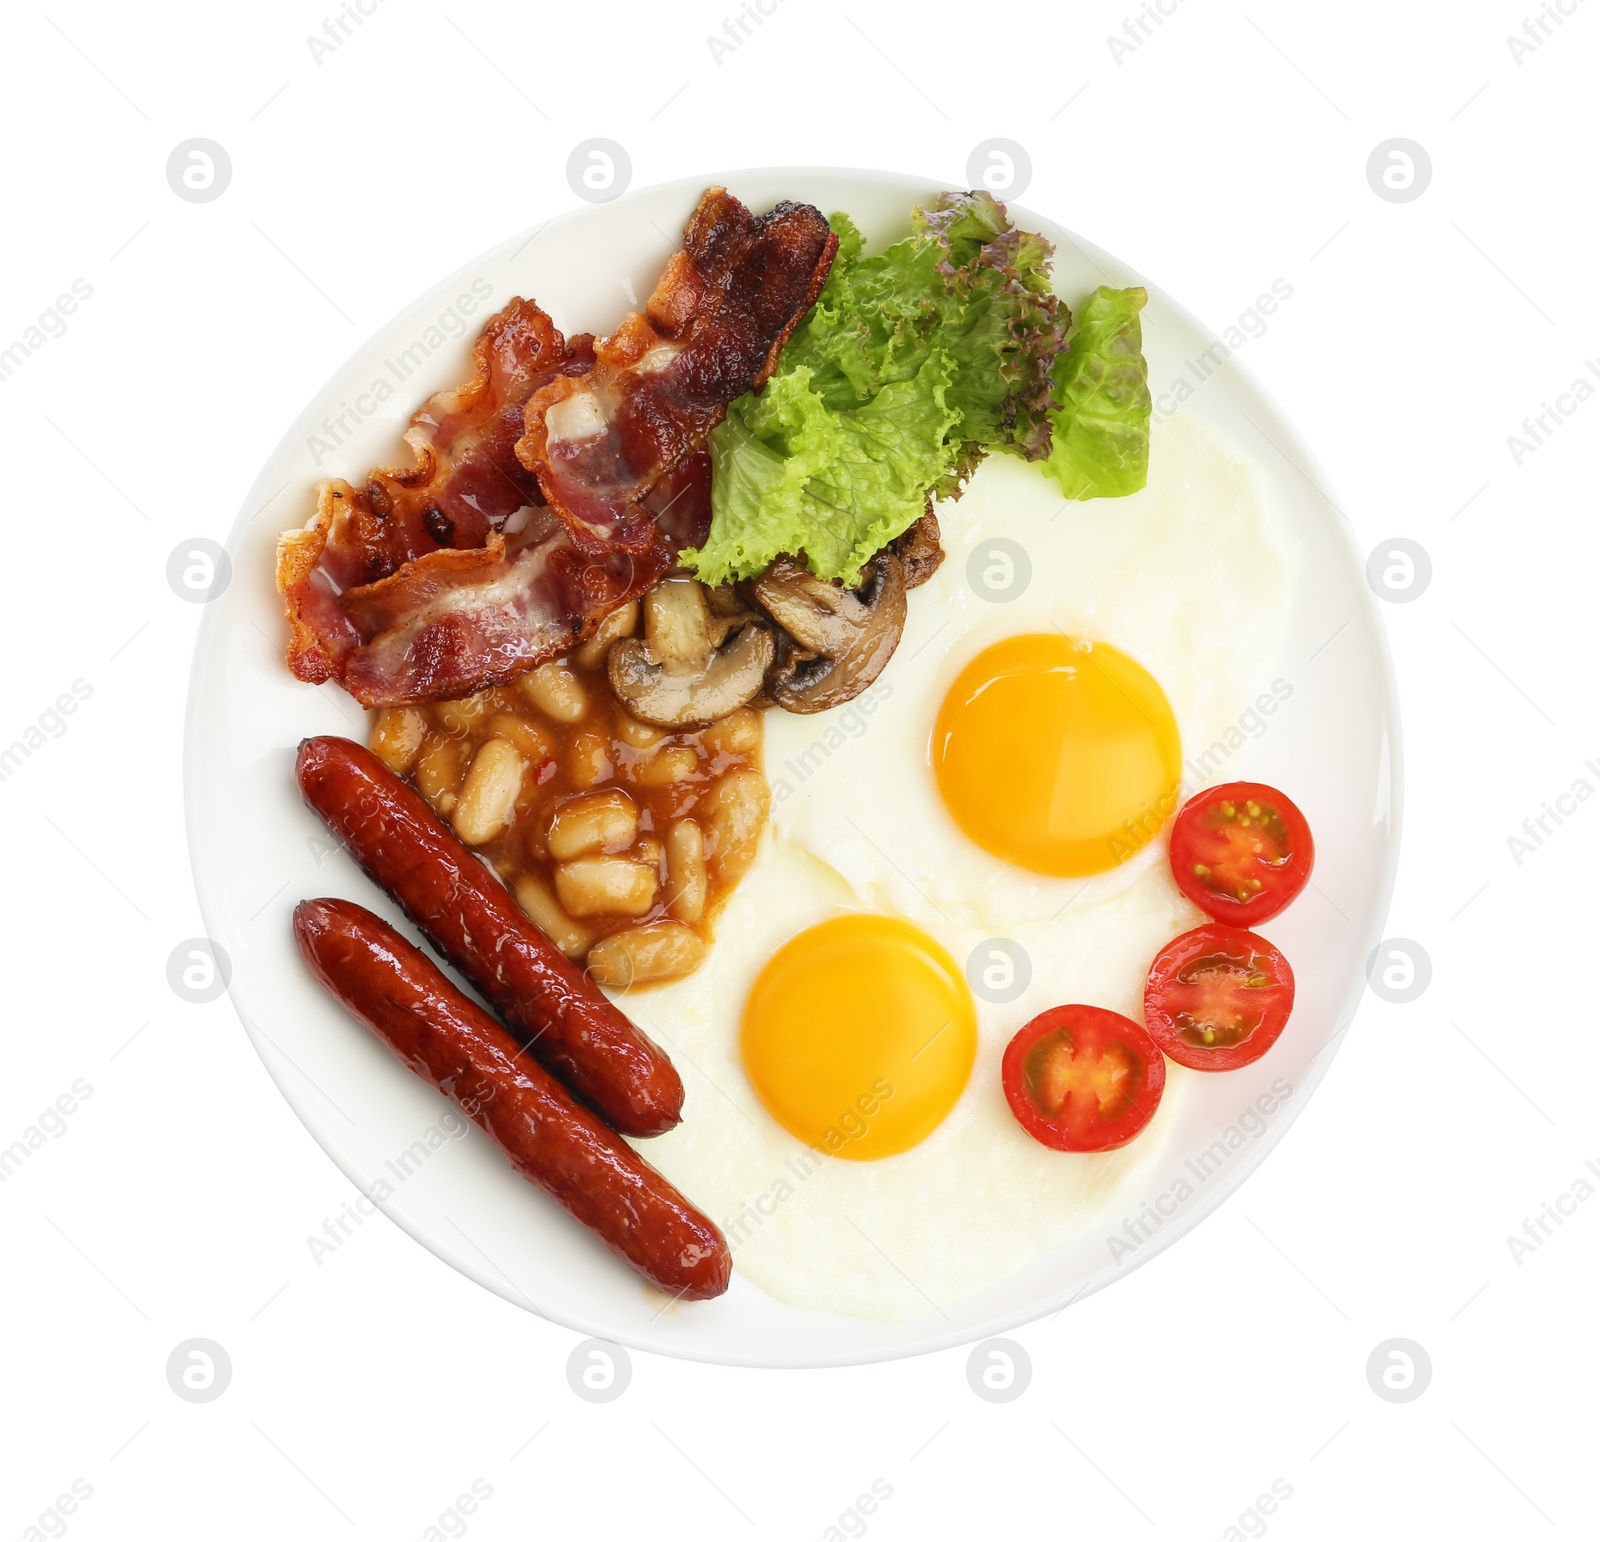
<point>1051,752</point>
<point>861,1026</point>
<point>1007,780</point>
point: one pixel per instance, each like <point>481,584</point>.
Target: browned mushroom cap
<point>835,640</point>
<point>919,550</point>
<point>725,601</point>
<point>690,667</point>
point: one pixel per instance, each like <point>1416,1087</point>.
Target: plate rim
<point>256,503</point>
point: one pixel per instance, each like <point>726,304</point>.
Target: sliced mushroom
<point>690,667</point>
<point>919,550</point>
<point>725,601</point>
<point>835,641</point>
<point>677,624</point>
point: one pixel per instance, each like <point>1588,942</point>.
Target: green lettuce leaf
<point>911,366</point>
<point>791,474</point>
<point>1101,443</point>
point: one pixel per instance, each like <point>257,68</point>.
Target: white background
<point>1226,150</point>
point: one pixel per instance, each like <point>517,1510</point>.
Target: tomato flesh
<point>1217,997</point>
<point>1080,1078</point>
<point>1241,851</point>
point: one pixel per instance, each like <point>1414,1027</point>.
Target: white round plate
<point>257,850</point>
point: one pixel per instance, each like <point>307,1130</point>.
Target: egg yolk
<point>859,1035</point>
<point>1056,754</point>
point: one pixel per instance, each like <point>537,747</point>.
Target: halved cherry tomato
<point>1083,1079</point>
<point>1241,852</point>
<point>1217,997</point>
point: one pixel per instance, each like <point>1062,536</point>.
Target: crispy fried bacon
<point>467,480</point>
<point>465,483</point>
<point>661,382</point>
<point>454,622</point>
<point>451,576</point>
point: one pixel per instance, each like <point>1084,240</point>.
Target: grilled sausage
<point>457,1048</point>
<point>469,916</point>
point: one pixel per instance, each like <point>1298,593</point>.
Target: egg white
<point>913,1233</point>
<point>1191,578</point>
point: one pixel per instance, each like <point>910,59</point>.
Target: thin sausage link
<point>475,923</point>
<point>458,1049</point>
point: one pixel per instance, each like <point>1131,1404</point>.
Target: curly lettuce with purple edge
<point>910,368</point>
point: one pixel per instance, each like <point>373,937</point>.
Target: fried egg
<point>834,1028</point>
<point>976,839</point>
<point>1048,750</point>
<point>1172,601</point>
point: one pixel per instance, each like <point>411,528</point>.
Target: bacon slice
<point>680,503</point>
<point>467,480</point>
<point>465,483</point>
<point>439,580</point>
<point>713,329</point>
<point>458,621</point>
<point>321,636</point>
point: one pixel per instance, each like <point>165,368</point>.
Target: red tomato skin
<point>1189,835</point>
<point>1277,999</point>
<point>1093,1027</point>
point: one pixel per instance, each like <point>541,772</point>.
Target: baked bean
<point>737,734</point>
<point>622,622</point>
<point>397,737</point>
<point>541,907</point>
<point>597,821</point>
<point>605,886</point>
<point>532,742</point>
<point>438,772</point>
<point>735,813</point>
<point>556,692</point>
<point>489,793</point>
<point>675,763</point>
<point>686,871</point>
<point>589,759</point>
<point>637,735</point>
<point>645,955</point>
<point>459,718</point>
<point>610,827</point>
